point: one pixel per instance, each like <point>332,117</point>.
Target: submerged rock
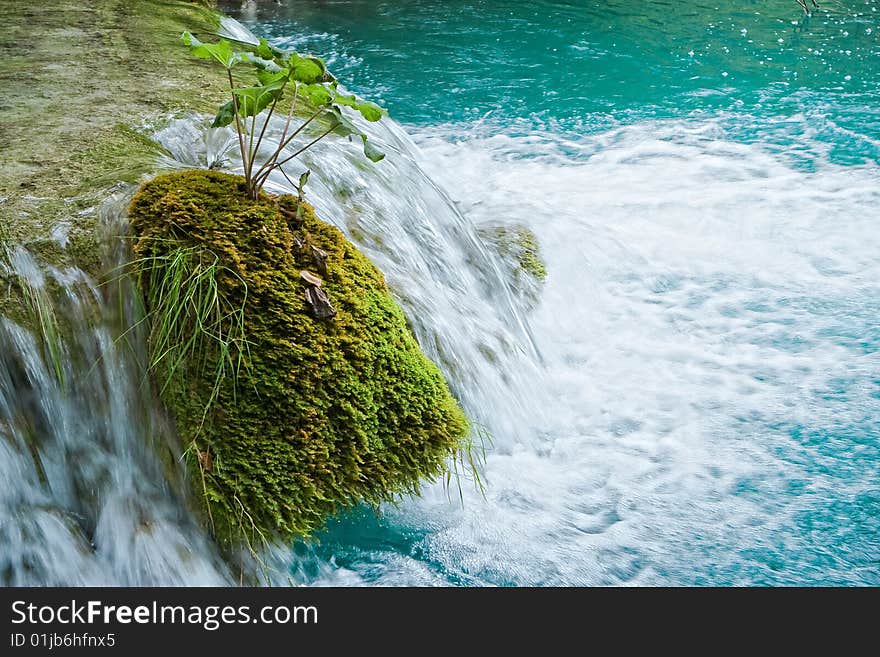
<point>519,250</point>
<point>323,414</point>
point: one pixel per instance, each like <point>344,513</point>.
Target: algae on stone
<point>73,75</point>
<point>519,243</point>
<point>519,250</point>
<point>324,414</point>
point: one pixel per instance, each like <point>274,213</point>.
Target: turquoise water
<point>586,66</point>
<point>705,182</point>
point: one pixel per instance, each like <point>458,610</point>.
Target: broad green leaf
<point>341,125</point>
<point>372,153</point>
<point>370,111</point>
<point>268,78</point>
<point>225,115</point>
<point>253,100</point>
<point>306,69</point>
<point>316,94</point>
<point>262,64</point>
<point>326,75</point>
<point>348,101</point>
<point>264,50</point>
<point>346,128</point>
<point>221,51</point>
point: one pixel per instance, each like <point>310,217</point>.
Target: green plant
<point>281,76</point>
<point>468,460</point>
<point>803,4</point>
<point>191,319</point>
<point>328,414</point>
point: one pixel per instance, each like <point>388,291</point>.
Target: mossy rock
<point>325,413</point>
<point>72,132</point>
<point>520,251</point>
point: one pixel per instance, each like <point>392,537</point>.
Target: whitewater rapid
<point>705,408</point>
<point>694,398</point>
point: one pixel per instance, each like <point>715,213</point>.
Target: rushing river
<point>693,395</point>
<point>702,399</point>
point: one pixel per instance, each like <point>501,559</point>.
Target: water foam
<point>708,407</point>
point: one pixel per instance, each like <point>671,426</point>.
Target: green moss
<point>118,154</point>
<point>78,73</point>
<point>519,245</point>
<point>528,253</point>
<point>325,414</point>
<point>521,260</point>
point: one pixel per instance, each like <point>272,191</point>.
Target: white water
<point>699,403</point>
<point>705,406</point>
<point>705,302</point>
<point>702,294</point>
<point>83,498</point>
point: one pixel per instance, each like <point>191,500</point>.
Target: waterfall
<point>86,498</point>
<point>93,491</point>
<point>692,398</point>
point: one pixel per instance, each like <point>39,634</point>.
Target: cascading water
<point>85,499</point>
<point>656,418</point>
<point>693,400</point>
<point>712,369</point>
<point>87,452</point>
<point>698,402</point>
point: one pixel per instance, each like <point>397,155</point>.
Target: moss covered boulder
<point>324,413</point>
<point>520,253</point>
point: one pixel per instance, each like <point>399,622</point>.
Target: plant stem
<point>278,165</point>
<point>307,146</point>
<point>253,189</point>
<point>290,113</point>
<point>260,138</point>
<point>287,178</point>
<point>270,161</point>
<point>238,129</point>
